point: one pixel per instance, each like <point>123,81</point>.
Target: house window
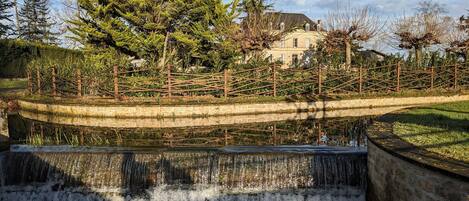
<point>308,43</point>
<point>282,43</point>
<point>307,27</point>
<point>295,60</point>
<point>282,58</point>
<point>282,26</point>
<point>295,42</point>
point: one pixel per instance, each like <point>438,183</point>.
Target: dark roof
<point>373,54</point>
<point>291,20</point>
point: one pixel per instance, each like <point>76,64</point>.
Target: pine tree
<point>34,22</point>
<point>5,5</point>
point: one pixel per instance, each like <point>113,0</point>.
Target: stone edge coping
<point>381,134</point>
<point>141,111</point>
<point>248,150</point>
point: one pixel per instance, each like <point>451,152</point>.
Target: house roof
<point>291,20</point>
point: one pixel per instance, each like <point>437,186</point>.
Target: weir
<point>311,159</point>
<point>268,171</point>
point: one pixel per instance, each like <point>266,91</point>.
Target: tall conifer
<point>5,17</point>
<point>35,22</point>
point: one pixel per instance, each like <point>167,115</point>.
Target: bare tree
<point>69,11</point>
<point>426,28</point>
<point>259,28</point>
<point>458,38</point>
<point>348,26</point>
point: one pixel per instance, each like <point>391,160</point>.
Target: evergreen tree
<point>35,23</point>
<point>192,32</point>
<point>5,17</point>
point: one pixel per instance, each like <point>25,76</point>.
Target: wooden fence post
<point>455,84</point>
<point>38,79</point>
<point>274,77</point>
<point>116,82</point>
<point>319,80</point>
<point>360,80</point>
<point>225,85</point>
<point>79,88</point>
<point>398,72</point>
<point>432,81</point>
<point>30,82</point>
<point>54,84</point>
<point>169,82</point>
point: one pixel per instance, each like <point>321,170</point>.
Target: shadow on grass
<point>444,124</point>
<point>429,120</point>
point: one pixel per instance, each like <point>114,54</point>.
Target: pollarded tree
<point>426,28</point>
<point>5,17</point>
<point>346,27</point>
<point>35,22</point>
<point>459,38</point>
<point>259,28</point>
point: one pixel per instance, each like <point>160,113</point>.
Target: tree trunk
<point>15,3</point>
<point>348,54</point>
<point>163,60</point>
<point>418,56</point>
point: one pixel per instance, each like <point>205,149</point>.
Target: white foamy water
<point>166,193</point>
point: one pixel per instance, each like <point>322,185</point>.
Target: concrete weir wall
<point>228,109</point>
<point>393,179</point>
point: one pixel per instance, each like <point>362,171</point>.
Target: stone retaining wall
<point>229,109</point>
<point>393,179</point>
<point>203,121</point>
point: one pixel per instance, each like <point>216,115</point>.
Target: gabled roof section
<point>291,20</point>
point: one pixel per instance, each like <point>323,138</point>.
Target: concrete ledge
<point>142,111</point>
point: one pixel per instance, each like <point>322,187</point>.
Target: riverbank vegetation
<point>442,129</point>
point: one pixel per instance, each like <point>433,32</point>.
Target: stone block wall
<point>393,179</point>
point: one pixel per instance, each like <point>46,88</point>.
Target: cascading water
<point>310,160</point>
<point>134,174</point>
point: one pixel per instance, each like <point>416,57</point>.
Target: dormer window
<point>282,26</point>
<point>307,27</point>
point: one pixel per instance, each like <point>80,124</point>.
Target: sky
<point>318,9</point>
<point>387,10</point>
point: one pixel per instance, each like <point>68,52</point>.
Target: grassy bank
<point>204,100</point>
<point>12,89</point>
<point>442,129</point>
<point>13,84</point>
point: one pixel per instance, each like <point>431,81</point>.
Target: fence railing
<point>263,81</point>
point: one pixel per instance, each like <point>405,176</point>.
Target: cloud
<point>387,8</point>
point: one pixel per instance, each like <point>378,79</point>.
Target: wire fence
<point>262,81</point>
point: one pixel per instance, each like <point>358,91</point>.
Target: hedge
<point>15,55</point>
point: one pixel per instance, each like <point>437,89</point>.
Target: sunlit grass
<point>442,129</point>
<point>13,84</point>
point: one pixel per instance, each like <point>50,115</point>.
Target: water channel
<point>307,158</point>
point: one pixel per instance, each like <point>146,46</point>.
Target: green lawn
<point>442,129</point>
<point>13,84</point>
